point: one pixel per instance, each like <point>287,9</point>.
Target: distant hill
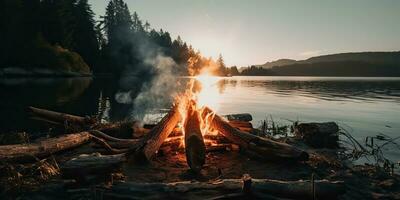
<point>368,57</point>
<point>277,63</point>
<point>343,64</point>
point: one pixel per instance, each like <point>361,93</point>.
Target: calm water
<point>363,106</point>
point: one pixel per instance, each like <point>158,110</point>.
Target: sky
<point>256,31</point>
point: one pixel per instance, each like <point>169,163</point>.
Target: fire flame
<point>209,94</point>
<point>202,92</point>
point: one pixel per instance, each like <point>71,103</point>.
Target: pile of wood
<point>166,135</point>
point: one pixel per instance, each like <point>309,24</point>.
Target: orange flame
<point>201,92</point>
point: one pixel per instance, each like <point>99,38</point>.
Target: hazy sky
<point>256,31</point>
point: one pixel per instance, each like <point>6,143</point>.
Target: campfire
<point>191,125</point>
<point>198,129</point>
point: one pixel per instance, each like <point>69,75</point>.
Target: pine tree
<point>137,23</point>
<point>146,27</point>
<point>221,70</point>
<point>117,21</point>
<point>84,35</point>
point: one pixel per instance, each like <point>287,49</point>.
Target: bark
<point>152,141</point>
<point>109,149</point>
<point>61,118</point>
<point>92,164</point>
<point>220,147</point>
<point>245,187</point>
<point>129,129</point>
<point>195,148</point>
<point>242,125</point>
<point>264,147</point>
<point>41,149</point>
<point>118,129</point>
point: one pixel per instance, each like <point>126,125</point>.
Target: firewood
<point>247,187</point>
<point>100,134</point>
<point>109,149</point>
<point>240,124</point>
<point>119,129</point>
<point>29,152</point>
<point>92,163</point>
<point>61,118</point>
<point>125,129</point>
<point>195,148</point>
<point>219,147</point>
<point>152,141</point>
<point>266,148</point>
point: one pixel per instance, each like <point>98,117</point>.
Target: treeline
<point>64,35</point>
<point>339,68</point>
<point>345,64</point>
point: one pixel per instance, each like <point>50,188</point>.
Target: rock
<point>318,135</point>
<point>244,117</point>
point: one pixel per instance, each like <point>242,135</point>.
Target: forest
<point>47,37</point>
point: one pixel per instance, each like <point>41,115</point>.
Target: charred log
<point>152,141</point>
<point>264,147</point>
<point>195,148</point>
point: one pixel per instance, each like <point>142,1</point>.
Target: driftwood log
<point>41,149</point>
<point>56,117</point>
<point>195,149</point>
<point>127,129</point>
<point>88,164</point>
<point>223,189</point>
<point>263,147</point>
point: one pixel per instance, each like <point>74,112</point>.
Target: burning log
<point>220,147</point>
<point>264,147</point>
<point>152,141</point>
<point>195,148</point>
<point>29,152</point>
<point>244,188</point>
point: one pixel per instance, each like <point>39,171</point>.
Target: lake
<point>362,106</point>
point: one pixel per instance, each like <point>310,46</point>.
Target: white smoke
<point>159,92</point>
